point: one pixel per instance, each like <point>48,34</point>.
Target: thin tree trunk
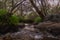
<point>37,10</point>
<point>16,6</point>
<point>10,13</point>
<point>44,8</point>
<point>12,3</point>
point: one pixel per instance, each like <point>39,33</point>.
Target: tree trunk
<point>37,10</point>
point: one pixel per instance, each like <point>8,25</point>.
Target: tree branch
<point>36,8</point>
<point>17,4</point>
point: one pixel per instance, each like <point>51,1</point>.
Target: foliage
<point>14,20</point>
<point>37,20</point>
<point>8,22</point>
<point>3,12</point>
<point>4,19</point>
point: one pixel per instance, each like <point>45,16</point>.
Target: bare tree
<point>37,10</point>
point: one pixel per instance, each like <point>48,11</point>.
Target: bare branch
<point>17,4</point>
<point>36,8</point>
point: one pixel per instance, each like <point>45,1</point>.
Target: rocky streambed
<point>49,29</point>
<point>32,32</point>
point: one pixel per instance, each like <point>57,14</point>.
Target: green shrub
<point>3,12</point>
<point>37,20</point>
<point>14,20</point>
<point>8,23</point>
<point>5,19</point>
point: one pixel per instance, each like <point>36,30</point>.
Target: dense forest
<point>29,19</point>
